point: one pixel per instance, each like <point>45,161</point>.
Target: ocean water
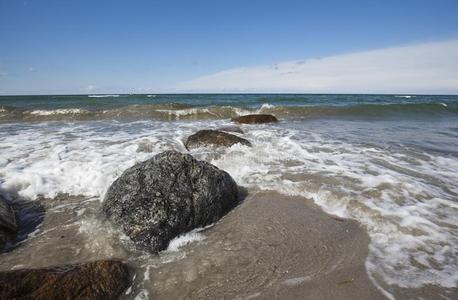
<point>388,161</point>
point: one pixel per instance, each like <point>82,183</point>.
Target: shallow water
<point>393,170</point>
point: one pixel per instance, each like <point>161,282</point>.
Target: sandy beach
<point>272,247</point>
<point>269,247</point>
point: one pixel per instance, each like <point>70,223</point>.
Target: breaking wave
<point>177,111</point>
<point>64,111</point>
<point>103,96</point>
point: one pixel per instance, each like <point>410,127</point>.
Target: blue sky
<point>160,46</point>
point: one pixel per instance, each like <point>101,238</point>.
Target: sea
<point>388,161</point>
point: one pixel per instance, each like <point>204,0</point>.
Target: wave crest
<point>179,111</point>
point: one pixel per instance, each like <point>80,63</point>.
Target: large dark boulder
<point>106,279</point>
<point>213,138</point>
<point>255,119</point>
<point>167,195</point>
<point>8,225</point>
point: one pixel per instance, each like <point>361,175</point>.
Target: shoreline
<point>272,246</point>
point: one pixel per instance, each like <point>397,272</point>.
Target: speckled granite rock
<point>167,195</point>
<point>213,138</point>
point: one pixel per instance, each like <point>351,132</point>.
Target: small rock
<point>152,207</point>
<point>256,119</point>
<point>8,225</point>
<point>105,279</point>
<point>213,138</point>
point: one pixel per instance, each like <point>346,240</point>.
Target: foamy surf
<point>104,96</point>
<point>406,201</point>
<point>185,239</point>
<point>405,96</point>
<point>63,111</point>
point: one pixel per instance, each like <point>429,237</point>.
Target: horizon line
<point>230,93</point>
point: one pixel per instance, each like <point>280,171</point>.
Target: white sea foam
<point>185,239</point>
<point>103,96</point>
<point>265,106</point>
<point>240,111</point>
<point>177,113</point>
<point>406,201</point>
<point>405,96</point>
<point>62,111</point>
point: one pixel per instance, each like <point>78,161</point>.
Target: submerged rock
<point>8,225</point>
<point>167,195</point>
<point>213,138</point>
<point>231,129</point>
<point>255,119</point>
<point>105,279</point>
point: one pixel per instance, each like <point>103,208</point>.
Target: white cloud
<point>421,68</point>
<point>89,88</point>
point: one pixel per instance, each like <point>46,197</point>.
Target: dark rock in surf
<point>8,225</point>
<point>235,129</point>
<point>255,119</point>
<point>167,195</point>
<point>105,279</point>
<point>213,138</point>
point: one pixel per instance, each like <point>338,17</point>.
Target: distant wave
<point>405,96</point>
<point>63,111</point>
<point>103,96</point>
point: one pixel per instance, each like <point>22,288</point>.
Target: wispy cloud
<point>421,68</point>
<point>88,88</point>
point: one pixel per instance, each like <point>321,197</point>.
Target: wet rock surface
<point>8,225</point>
<point>213,138</point>
<point>167,195</point>
<point>231,129</point>
<point>106,279</point>
<point>255,119</point>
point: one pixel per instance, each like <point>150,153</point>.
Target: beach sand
<point>272,246</point>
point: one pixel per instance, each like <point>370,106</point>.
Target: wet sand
<point>269,247</point>
<point>272,247</point>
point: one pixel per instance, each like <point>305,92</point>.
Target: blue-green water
<point>244,100</point>
<point>213,106</point>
